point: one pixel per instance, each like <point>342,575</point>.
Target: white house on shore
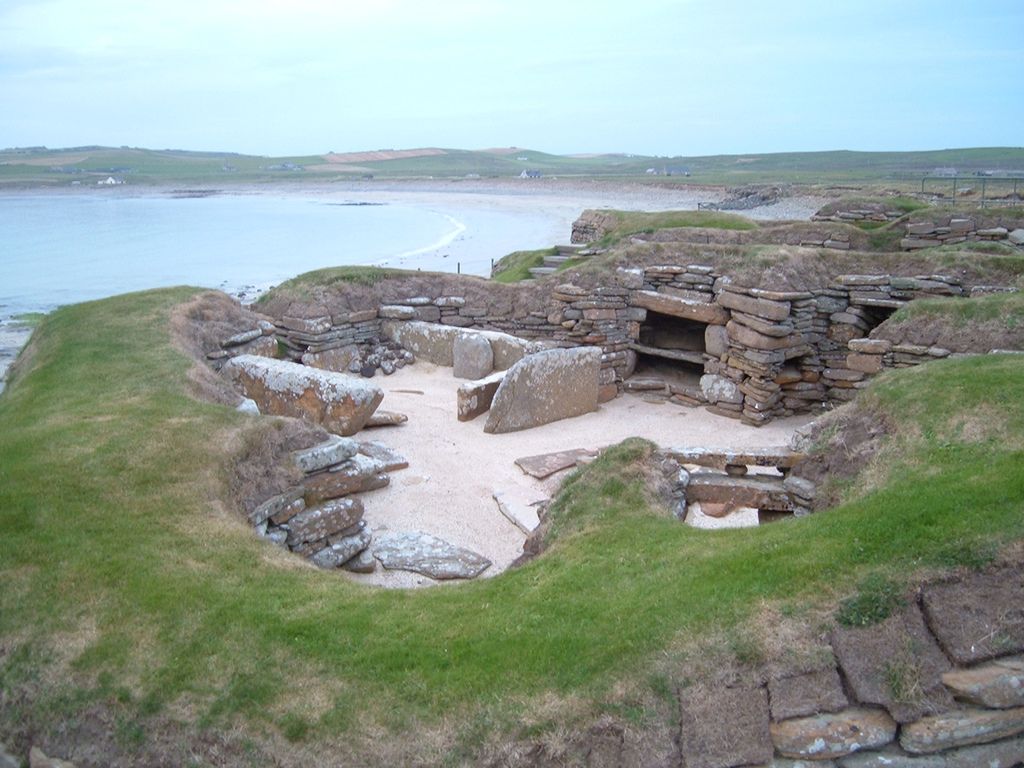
<point>109,181</point>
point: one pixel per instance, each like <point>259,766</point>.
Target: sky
<point>654,77</point>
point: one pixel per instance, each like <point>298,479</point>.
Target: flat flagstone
<point>547,464</point>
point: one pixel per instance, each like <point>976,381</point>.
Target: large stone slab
<point>546,387</point>
<point>322,521</point>
<point>999,685</point>
<point>755,491</point>
<point>387,458</point>
<point>475,397</point>
<point>719,389</point>
<point>519,509</point>
<point>342,404</point>
<point>748,337</point>
<point>428,341</point>
<point>472,356</point>
<point>677,306</point>
<point>826,736</point>
<point>766,308</point>
<point>339,552</point>
<point>358,474</point>
<point>547,464</point>
<point>337,359</point>
<point>960,729</point>
<point>718,458</point>
<point>724,727</point>
<point>436,343</point>
<point>895,664</point>
<point>978,617</point>
<point>429,555</point>
<point>326,454</point>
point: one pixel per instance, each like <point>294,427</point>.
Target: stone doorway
<point>671,348</point>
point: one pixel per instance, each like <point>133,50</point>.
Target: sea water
<point>66,248</point>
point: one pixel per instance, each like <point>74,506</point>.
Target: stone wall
<point>764,353</point>
<point>948,230</point>
<point>931,686</point>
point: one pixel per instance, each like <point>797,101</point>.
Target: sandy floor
<point>455,467</point>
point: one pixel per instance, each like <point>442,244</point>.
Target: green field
<point>87,165</point>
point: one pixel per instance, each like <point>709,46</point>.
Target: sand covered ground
<point>455,468</point>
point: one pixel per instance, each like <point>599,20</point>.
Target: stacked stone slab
<point>948,230</point>
<point>766,353</point>
<point>928,687</point>
<point>322,518</point>
<point>600,317</point>
<point>854,214</point>
<point>311,335</point>
<point>258,340</point>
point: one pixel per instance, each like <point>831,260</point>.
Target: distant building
<point>109,181</point>
<point>527,174</point>
<point>947,172</point>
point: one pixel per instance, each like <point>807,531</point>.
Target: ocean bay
<point>64,248</point>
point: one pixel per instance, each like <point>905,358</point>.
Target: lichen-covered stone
<point>892,758</point>
<point>340,552</point>
<point>961,728</point>
<point>358,474</point>
<point>429,555</point>
<point>326,454</point>
<point>719,389</point>
<point>274,506</point>
<point>474,397</point>
<point>826,736</point>
<point>472,356</point>
<point>322,521</point>
<point>340,403</point>
<point>337,359</point>
<point>999,685</point>
<point>546,387</point>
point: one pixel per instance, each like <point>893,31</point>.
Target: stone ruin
<point>685,334</point>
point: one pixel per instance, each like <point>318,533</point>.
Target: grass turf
<point>127,582</point>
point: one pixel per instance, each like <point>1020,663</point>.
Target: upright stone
<point>342,404</point>
<point>545,387</point>
<point>472,356</point>
<point>475,397</point>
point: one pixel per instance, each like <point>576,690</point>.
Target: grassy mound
<point>516,266</point>
<point>132,588</point>
<point>627,223</point>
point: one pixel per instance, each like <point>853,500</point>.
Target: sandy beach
<point>455,468</point>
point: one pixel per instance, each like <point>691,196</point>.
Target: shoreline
<point>490,218</point>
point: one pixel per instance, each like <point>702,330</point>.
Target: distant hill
<point>40,166</point>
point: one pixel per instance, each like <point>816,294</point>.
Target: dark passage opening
<point>670,348</point>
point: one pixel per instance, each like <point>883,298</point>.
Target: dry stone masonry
<point>743,352</point>
<point>949,230</point>
<point>899,694</point>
